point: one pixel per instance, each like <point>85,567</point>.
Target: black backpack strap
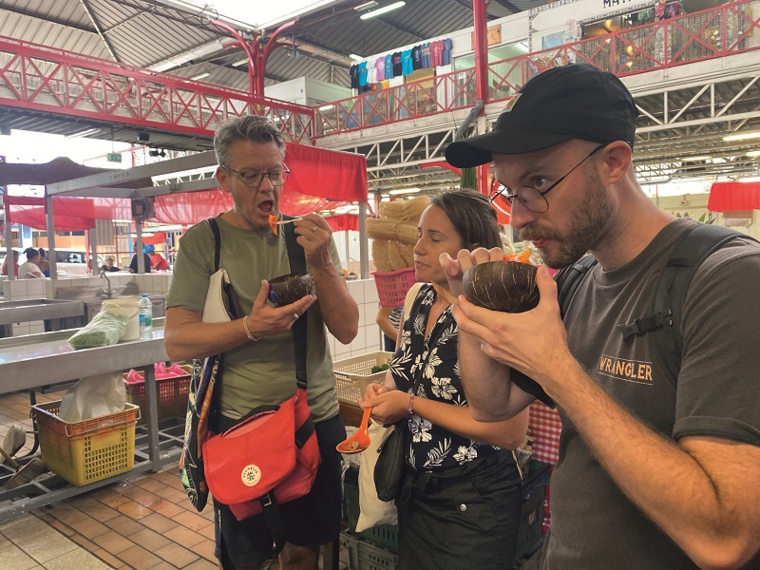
<point>570,278</point>
<point>297,259</point>
<point>217,241</point>
<point>686,256</point>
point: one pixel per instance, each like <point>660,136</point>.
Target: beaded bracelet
<point>410,411</point>
<point>248,331</point>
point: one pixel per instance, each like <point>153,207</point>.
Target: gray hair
<point>472,216</point>
<point>252,128</point>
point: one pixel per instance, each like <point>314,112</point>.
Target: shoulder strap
<point>217,242</point>
<point>569,280</point>
<point>297,259</point>
<point>686,256</point>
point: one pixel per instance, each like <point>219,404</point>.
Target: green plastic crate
<point>384,535</point>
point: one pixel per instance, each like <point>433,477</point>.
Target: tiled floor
<point>143,523</point>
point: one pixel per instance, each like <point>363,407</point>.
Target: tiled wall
<point>20,290</point>
<point>369,338</point>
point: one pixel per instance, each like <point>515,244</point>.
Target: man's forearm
<point>695,498</point>
<point>339,310</point>
<point>188,340</point>
<point>485,381</point>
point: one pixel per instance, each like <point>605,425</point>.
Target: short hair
<point>109,258</point>
<point>42,252</point>
<point>472,216</point>
<point>251,128</point>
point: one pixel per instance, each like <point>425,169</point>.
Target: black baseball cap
<point>563,103</point>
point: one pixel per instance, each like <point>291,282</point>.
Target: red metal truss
<point>47,79</point>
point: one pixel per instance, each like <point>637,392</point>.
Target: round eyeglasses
<point>253,178</point>
<point>533,199</point>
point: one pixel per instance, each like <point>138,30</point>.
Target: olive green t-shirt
<point>262,372</point>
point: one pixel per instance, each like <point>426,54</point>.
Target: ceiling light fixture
<point>694,158</point>
<point>383,10</point>
<point>656,180</point>
<point>200,76</point>
<point>355,57</point>
<point>742,136</point>
<point>404,191</point>
<point>753,153</point>
<point>240,62</point>
<point>365,6</point>
<point>84,133</point>
<point>326,107</point>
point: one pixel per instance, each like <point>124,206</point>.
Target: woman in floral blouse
<point>460,503</point>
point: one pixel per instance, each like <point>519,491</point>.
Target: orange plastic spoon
<point>360,440</point>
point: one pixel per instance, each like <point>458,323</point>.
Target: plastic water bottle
<point>146,317</point>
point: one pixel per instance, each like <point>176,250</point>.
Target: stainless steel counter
<point>34,361</point>
<point>48,310</point>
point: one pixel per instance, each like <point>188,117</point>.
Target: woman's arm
<point>391,406</point>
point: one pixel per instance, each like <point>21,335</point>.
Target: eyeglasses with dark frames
<point>253,178</point>
<point>534,199</point>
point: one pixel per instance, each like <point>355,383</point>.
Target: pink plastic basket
<point>393,285</point>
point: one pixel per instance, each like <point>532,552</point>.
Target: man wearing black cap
<point>652,474</point>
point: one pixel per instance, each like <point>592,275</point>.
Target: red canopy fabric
<point>733,196</point>
<point>69,214</point>
<point>319,180</point>
<point>343,222</point>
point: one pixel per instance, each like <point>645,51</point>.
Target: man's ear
<point>223,177</point>
<point>617,160</point>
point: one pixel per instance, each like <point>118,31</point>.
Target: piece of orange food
<point>523,257</point>
<point>273,223</point>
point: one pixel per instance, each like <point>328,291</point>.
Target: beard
<point>585,228</point>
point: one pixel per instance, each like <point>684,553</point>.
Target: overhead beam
<point>94,21</point>
<point>81,186</point>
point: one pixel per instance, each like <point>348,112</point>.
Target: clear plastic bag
<point>94,396</point>
<point>105,328</point>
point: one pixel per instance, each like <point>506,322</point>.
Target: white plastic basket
<point>354,373</point>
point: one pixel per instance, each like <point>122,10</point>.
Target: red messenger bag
<point>270,457</point>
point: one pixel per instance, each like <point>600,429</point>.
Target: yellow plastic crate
<point>353,374</point>
<point>90,450</point>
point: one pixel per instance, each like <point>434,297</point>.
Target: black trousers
<point>464,518</point>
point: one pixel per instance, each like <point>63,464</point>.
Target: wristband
<point>248,331</point>
<point>410,411</point>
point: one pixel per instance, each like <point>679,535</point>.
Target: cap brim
<point>479,150</point>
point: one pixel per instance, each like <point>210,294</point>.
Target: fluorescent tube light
<point>355,57</point>
<point>383,10</point>
<point>753,153</point>
<point>200,76</point>
<point>240,62</point>
<point>365,6</point>
<point>404,191</point>
<point>326,107</point>
<point>742,136</point>
<point>83,133</point>
<point>695,158</point>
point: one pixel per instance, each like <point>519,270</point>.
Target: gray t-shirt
<point>262,372</point>
<point>594,526</point>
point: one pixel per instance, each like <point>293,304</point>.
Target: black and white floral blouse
<point>431,447</point>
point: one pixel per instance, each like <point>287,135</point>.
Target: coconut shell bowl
<point>507,286</point>
<point>287,289</point>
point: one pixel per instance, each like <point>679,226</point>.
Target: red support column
<point>481,73</point>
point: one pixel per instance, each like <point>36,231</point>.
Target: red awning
<point>734,196</point>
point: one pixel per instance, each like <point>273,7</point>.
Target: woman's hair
<point>250,128</point>
<point>30,253</point>
<point>472,216</point>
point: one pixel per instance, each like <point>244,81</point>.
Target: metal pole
<point>50,225</point>
<point>139,247</point>
<point>363,242</point>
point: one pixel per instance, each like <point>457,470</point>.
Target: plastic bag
<point>373,511</point>
<point>105,328</point>
<point>94,396</point>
